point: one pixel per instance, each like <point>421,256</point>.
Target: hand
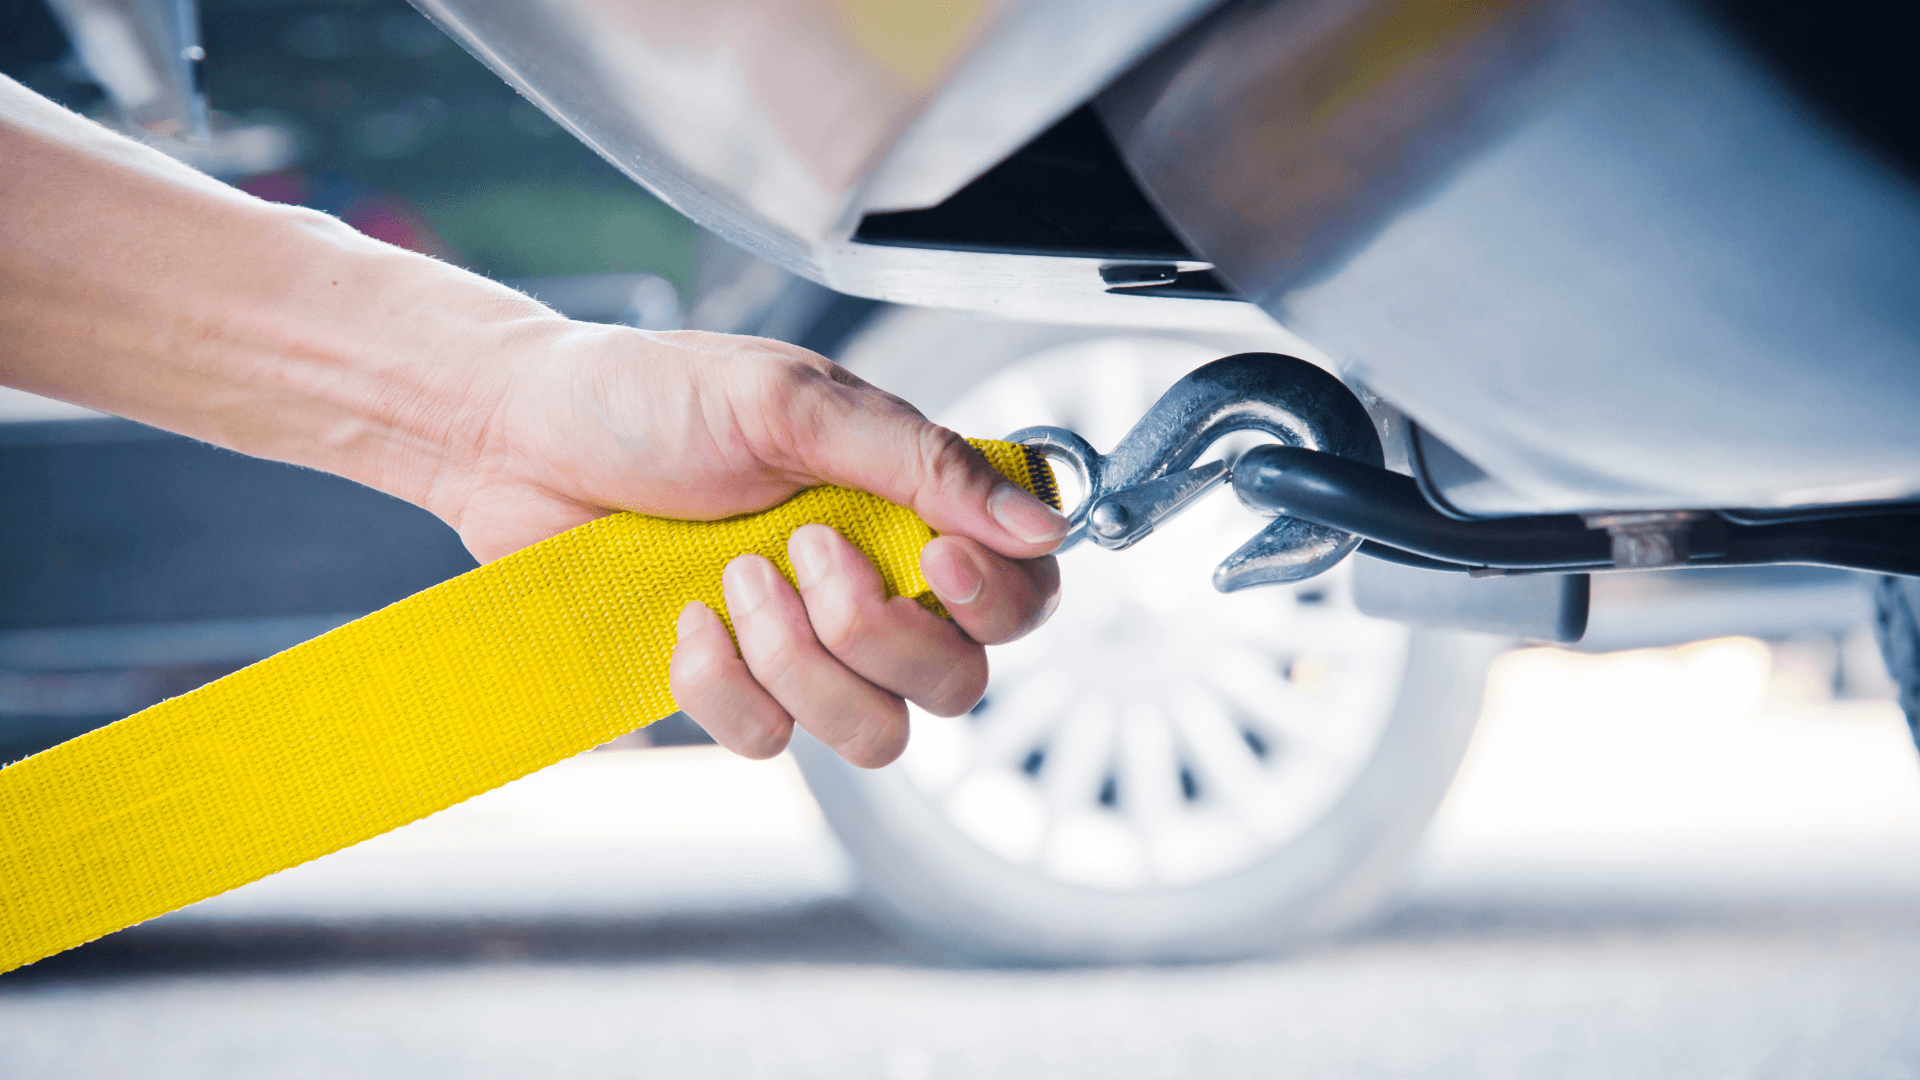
<point>134,285</point>
<point>703,426</point>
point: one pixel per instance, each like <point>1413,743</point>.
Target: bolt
<point>1109,519</point>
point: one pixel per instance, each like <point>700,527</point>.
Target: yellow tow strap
<point>453,691</point>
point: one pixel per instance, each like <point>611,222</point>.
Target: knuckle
<point>1022,608</point>
<point>800,367</point>
<point>816,366</point>
<point>776,381</point>
<point>839,622</point>
<point>773,366</point>
<point>990,624</point>
<point>692,667</point>
<point>798,386</point>
<point>776,658</point>
<point>960,687</point>
<point>879,738</point>
<point>944,453</point>
<point>894,401</point>
<point>1045,574</point>
<point>765,740</point>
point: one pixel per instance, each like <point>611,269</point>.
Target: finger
<point>857,436</point>
<point>894,643</point>
<point>714,687</point>
<point>993,599</point>
<point>861,722</point>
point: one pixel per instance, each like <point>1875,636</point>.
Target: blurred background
<point>1186,834</point>
<point>366,111</point>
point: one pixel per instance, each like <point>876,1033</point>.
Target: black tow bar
<point>1397,524</point>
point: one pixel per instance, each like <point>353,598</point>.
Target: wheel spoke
<point>1080,756</point>
<point>1149,767</point>
<point>1021,716</point>
<point>1250,682</point>
<point>1228,768</point>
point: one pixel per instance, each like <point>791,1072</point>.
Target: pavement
<point>1685,862</point>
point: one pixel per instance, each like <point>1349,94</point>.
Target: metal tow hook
<point>1149,476</point>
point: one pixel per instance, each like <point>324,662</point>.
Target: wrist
<point>134,285</point>
<point>375,363</point>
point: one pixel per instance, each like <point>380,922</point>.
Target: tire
<point>1160,773</point>
<point>1896,623</point>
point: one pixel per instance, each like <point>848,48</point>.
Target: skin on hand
<point>132,284</point>
<point>705,426</point>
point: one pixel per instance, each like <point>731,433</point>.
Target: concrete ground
<point>1674,863</point>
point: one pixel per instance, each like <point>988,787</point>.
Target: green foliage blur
<point>387,111</point>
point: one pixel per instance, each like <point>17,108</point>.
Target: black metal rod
<point>1880,543</point>
<point>1388,511</point>
<point>1388,508</point>
<point>1386,553</point>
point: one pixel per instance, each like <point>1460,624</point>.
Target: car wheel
<point>1162,772</point>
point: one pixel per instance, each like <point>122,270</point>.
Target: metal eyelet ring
<point>1059,444</point>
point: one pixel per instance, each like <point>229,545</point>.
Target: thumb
<point>867,439</point>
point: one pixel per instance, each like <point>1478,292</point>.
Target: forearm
<point>131,284</point>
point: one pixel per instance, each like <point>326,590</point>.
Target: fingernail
<point>744,588</point>
<point>690,619</point>
<point>808,550</point>
<point>954,578</point>
<point>1025,516</point>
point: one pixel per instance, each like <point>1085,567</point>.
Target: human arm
<point>133,285</point>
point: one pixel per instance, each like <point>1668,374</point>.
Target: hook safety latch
<point>1123,518</point>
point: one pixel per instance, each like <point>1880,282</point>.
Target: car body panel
<point>1599,252</point>
<point>779,125</point>
<point>1636,273</point>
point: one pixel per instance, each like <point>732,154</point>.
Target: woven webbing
<point>454,691</point>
